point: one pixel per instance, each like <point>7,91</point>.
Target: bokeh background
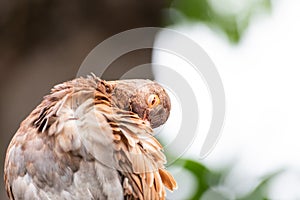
<point>253,43</point>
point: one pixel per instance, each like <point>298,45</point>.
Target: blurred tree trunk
<point>44,42</point>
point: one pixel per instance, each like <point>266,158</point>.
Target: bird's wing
<point>138,156</point>
<point>82,129</point>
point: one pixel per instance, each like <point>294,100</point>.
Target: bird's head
<point>146,98</point>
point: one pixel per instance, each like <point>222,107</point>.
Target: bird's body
<point>91,139</point>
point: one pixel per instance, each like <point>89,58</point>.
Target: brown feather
<point>167,179</point>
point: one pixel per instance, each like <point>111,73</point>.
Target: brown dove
<point>91,139</point>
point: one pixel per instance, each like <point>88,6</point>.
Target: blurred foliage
<point>208,179</point>
<point>259,192</point>
<point>229,16</point>
<point>204,176</point>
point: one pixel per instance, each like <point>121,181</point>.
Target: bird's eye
<point>153,100</point>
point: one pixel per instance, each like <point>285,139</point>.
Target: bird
<point>92,139</point>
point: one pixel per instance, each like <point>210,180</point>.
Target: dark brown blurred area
<point>43,43</point>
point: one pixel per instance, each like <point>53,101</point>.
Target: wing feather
<point>142,161</point>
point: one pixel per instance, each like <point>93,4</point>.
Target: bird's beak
<point>146,117</point>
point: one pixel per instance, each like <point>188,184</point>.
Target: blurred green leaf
<point>260,192</point>
<point>194,9</point>
<point>233,24</point>
<point>205,178</point>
